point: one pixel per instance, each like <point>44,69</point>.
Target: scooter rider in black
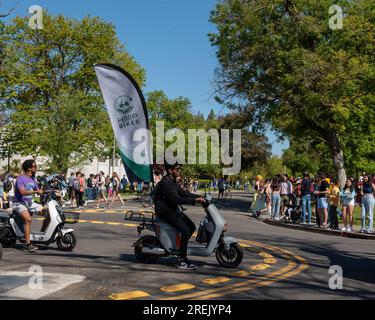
<point>168,195</point>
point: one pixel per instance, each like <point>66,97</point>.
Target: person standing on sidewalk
<point>347,197</point>
<point>368,194</point>
<point>71,192</point>
<point>322,202</point>
<point>334,202</point>
<point>286,188</point>
<point>275,199</point>
<point>90,188</point>
<point>306,189</point>
<point>79,189</point>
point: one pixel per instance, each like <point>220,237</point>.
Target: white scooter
<point>13,226</point>
<point>167,241</point>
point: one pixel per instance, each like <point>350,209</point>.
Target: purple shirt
<point>28,184</point>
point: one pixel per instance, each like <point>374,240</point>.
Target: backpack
<point>76,185</point>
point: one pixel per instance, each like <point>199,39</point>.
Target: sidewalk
<point>313,228</point>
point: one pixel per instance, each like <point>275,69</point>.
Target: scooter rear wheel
<point>145,241</point>
<point>1,251</point>
<point>229,258</point>
<point>68,242</point>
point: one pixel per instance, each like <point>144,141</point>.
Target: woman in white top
<point>347,196</point>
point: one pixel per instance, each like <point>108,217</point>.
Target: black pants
<point>180,222</point>
<point>334,221</point>
<point>79,198</point>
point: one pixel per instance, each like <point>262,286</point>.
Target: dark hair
<point>351,187</point>
<point>27,165</point>
<point>171,166</point>
<point>306,175</point>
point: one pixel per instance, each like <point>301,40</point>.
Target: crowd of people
<point>77,189</point>
<point>322,195</point>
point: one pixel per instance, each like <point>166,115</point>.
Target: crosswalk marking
<point>50,283</point>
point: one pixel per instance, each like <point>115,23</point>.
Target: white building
<point>90,167</point>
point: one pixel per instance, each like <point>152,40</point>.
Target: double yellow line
<point>296,264</point>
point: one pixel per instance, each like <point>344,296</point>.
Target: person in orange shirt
<point>334,202</point>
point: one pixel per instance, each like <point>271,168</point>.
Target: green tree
<point>280,61</point>
<point>52,93</point>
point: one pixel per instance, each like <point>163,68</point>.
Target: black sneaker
<point>30,248</point>
<point>185,265</point>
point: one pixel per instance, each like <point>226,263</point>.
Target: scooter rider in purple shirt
<point>26,186</point>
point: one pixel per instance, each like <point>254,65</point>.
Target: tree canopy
<point>281,64</point>
<point>50,89</point>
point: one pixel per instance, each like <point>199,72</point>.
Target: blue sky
<point>167,37</point>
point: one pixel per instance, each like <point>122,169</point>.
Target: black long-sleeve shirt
<point>169,194</point>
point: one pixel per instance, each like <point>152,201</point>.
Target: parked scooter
<point>12,226</point>
<point>167,240</point>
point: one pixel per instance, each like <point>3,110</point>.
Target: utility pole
<point>8,159</point>
<point>114,154</point>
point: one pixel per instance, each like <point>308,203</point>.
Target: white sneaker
<point>369,231</point>
<point>349,229</point>
<point>344,229</point>
<point>363,231</point>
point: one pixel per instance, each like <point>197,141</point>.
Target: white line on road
<point>52,282</point>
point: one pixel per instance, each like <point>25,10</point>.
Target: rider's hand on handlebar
<point>40,192</point>
<point>201,200</point>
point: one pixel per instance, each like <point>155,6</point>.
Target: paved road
<point>278,264</point>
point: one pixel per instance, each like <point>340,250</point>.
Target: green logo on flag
<point>123,104</point>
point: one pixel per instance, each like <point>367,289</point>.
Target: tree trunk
<point>338,156</point>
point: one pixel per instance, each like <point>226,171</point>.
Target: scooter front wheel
<point>1,251</point>
<point>230,258</point>
<point>67,242</point>
<point>145,241</point>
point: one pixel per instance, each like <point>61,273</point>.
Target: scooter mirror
<point>208,197</point>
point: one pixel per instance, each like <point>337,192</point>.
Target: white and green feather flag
<point>128,114</point>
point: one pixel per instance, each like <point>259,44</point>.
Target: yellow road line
<point>178,287</point>
<point>260,266</point>
<point>265,255</point>
<point>217,280</point>
<point>243,245</point>
<point>270,260</point>
<point>97,222</point>
<point>241,273</point>
<point>114,223</point>
<point>129,295</point>
<point>283,273</point>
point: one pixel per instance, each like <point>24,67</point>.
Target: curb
<point>321,231</point>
